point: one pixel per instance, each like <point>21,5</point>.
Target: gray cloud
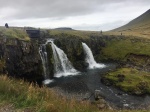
<point>60,8</point>
<point>79,14</point>
<point>99,27</point>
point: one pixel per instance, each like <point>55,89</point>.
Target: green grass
<point>134,81</point>
<point>73,33</point>
<point>14,33</point>
<point>24,95</point>
<point>2,65</point>
<point>118,49</point>
<point>140,26</point>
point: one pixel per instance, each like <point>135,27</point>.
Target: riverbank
<point>23,95</point>
<point>29,97</point>
<point>129,80</point>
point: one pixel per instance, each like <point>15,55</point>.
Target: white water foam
<point>90,58</point>
<point>62,65</point>
<point>47,81</point>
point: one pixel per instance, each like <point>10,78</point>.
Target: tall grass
<point>132,80</point>
<point>119,49</point>
<point>24,95</point>
<point>14,33</point>
<point>28,96</point>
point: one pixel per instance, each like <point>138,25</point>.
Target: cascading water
<point>90,59</point>
<point>43,55</point>
<point>62,65</point>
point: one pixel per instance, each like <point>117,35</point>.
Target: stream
<point>84,84</point>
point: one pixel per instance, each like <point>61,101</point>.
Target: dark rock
<point>6,25</point>
<point>141,88</point>
<point>121,77</point>
<point>106,81</point>
<point>22,59</point>
<point>119,94</point>
<point>97,95</point>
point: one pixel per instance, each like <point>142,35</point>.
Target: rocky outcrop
<point>74,50</point>
<point>138,61</point>
<point>22,58</point>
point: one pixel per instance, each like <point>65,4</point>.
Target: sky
<point>93,15</point>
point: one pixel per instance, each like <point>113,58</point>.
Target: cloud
<point>72,13</point>
<point>60,8</point>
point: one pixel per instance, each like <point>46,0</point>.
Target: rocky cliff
<point>21,59</point>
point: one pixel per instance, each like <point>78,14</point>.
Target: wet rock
<point>141,88</point>
<point>106,81</point>
<point>119,94</point>
<point>22,58</point>
<point>86,96</point>
<point>97,95</point>
<point>101,106</point>
<point>100,102</point>
<point>121,77</point>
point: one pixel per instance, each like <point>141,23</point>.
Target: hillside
<point>14,32</point>
<point>140,26</point>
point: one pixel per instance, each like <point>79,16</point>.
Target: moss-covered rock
<point>132,80</point>
<point>21,58</point>
<point>50,60</point>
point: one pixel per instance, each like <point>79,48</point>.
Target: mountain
<point>64,28</point>
<point>140,26</point>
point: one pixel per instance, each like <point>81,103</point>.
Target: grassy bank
<point>116,47</point>
<point>24,95</point>
<point>119,48</point>
<point>14,33</point>
<point>130,80</point>
<point>73,33</point>
<point>18,96</point>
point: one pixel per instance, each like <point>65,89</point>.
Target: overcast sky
<point>78,14</point>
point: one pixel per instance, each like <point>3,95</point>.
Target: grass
<point>118,49</point>
<point>73,33</point>
<point>14,33</point>
<point>2,65</point>
<point>140,27</point>
<point>130,80</point>
<point>24,96</point>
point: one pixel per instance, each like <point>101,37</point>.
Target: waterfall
<point>43,55</point>
<point>62,65</point>
<point>90,59</point>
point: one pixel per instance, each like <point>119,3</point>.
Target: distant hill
<point>140,26</point>
<point>64,28</point>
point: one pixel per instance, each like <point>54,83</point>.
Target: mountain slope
<point>140,26</point>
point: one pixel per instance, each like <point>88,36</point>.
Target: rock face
<point>74,50</point>
<point>141,62</point>
<point>22,58</point>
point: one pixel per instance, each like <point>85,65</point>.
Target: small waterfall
<point>90,59</point>
<point>62,65</point>
<point>43,55</point>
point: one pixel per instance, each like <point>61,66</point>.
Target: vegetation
<point>14,33</point>
<point>73,33</point>
<point>116,47</point>
<point>119,48</point>
<point>140,26</point>
<point>24,96</point>
<point>2,65</point>
<point>130,80</point>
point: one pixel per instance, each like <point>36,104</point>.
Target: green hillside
<point>140,26</point>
